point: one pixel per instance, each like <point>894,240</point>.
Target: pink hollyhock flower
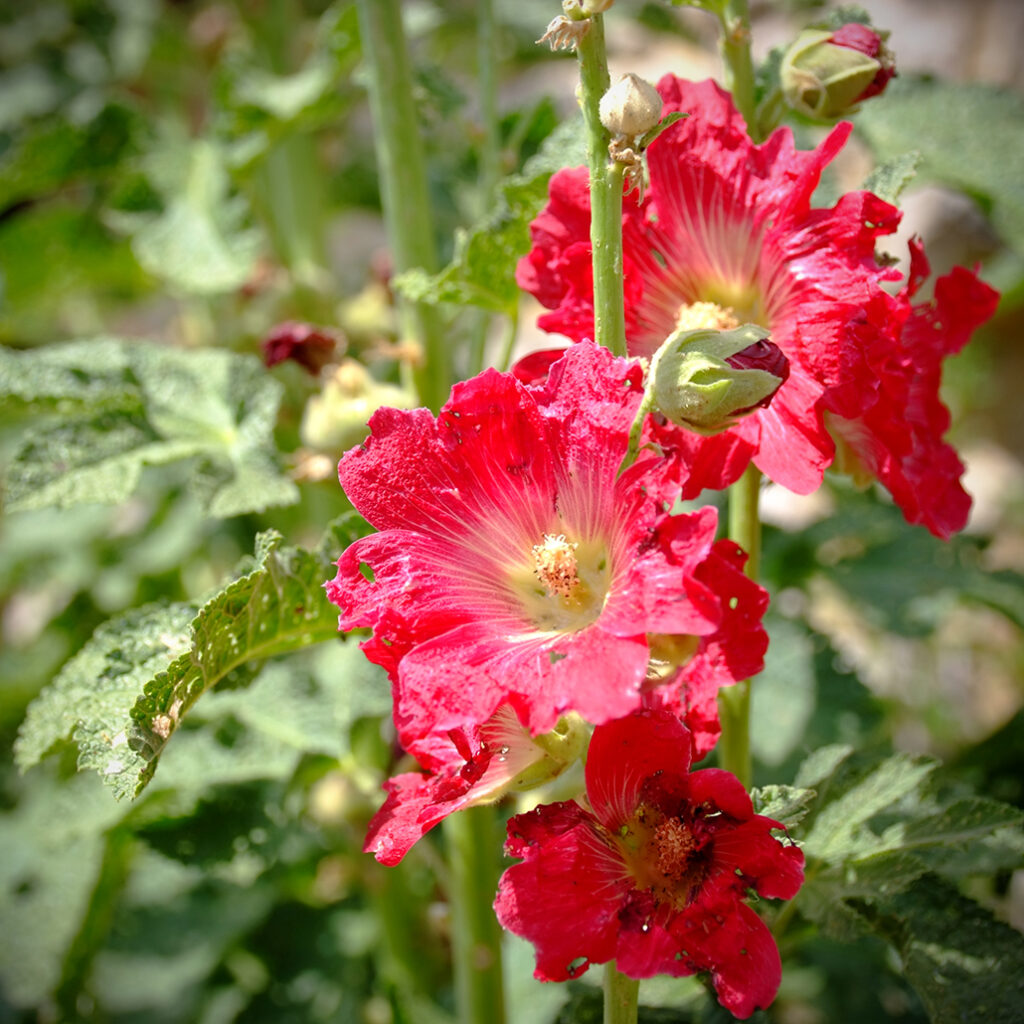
<point>481,764</point>
<point>727,235</point>
<point>515,566</point>
<point>654,875</point>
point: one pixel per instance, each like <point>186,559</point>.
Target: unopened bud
<point>826,73</point>
<point>707,380</point>
<point>309,346</point>
<point>630,107</point>
<point>335,420</point>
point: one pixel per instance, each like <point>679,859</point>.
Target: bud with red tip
<point>706,380</point>
<point>826,73</point>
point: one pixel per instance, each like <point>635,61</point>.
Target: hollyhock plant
<point>653,873</point>
<point>516,566</point>
<point>727,235</point>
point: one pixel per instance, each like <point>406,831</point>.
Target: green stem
<point>403,177</point>
<point>739,66</point>
<point>473,842</point>
<point>489,154</point>
<point>620,996</point>
<point>605,194</point>
<point>734,701</point>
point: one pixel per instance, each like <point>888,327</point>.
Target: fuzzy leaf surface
<point>122,697</point>
<point>109,408</point>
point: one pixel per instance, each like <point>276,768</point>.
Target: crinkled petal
<point>565,896</point>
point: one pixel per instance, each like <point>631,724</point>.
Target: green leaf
<point>888,180</point>
<point>123,696</point>
<point>822,764</point>
<point>786,804</point>
<point>966,966</point>
<point>53,847</point>
<point>482,271</point>
<point>970,136</point>
<point>56,152</point>
<point>840,831</point>
<point>963,822</point>
<point>116,407</point>
<point>200,243</point>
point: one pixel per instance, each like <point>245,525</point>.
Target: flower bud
<point>630,107</point>
<point>530,761</point>
<point>335,420</point>
<point>311,347</point>
<point>825,74</point>
<point>706,380</point>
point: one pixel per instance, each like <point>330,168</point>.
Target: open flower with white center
<point>726,236</point>
<point>516,567</point>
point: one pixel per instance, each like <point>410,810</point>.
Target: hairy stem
<point>739,66</point>
<point>734,701</point>
<point>605,194</point>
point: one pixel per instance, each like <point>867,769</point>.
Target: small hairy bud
<point>706,380</point>
<point>825,74</point>
<point>335,419</point>
<point>630,107</point>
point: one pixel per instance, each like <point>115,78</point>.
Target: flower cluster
<point>726,235</point>
<point>538,596</point>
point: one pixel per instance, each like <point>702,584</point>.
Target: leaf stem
<point>606,179</point>
<point>476,935</point>
<point>620,996</point>
<point>404,191</point>
<point>734,701</point>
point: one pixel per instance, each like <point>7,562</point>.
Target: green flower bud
<point>335,420</point>
<point>630,107</point>
<point>706,380</point>
<point>825,74</point>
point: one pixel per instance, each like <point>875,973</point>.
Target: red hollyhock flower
<point>654,876</point>
<point>515,566</point>
<point>898,440</point>
<point>727,235</point>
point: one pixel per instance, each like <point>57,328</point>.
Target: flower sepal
<point>706,380</point>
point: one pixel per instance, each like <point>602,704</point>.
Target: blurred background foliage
<point>193,173</point>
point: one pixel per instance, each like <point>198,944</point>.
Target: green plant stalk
<point>739,66</point>
<point>405,195</point>
<point>605,194</point>
<point>288,182</point>
<point>489,153</point>
<point>620,996</point>
<point>472,838</point>
<point>734,701</point>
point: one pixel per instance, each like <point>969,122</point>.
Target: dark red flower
<point>653,875</point>
<point>515,566</point>
<point>309,346</point>
<point>727,234</point>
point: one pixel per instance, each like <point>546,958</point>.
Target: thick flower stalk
<point>654,872</point>
<point>516,566</point>
<point>727,235</point>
